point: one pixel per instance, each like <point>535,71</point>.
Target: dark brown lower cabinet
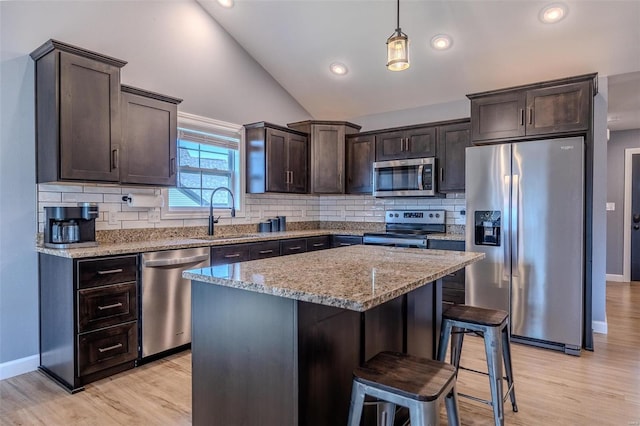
<point>453,285</point>
<point>345,240</point>
<point>289,361</point>
<point>88,317</point>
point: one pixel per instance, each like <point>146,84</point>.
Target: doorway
<point>635,217</point>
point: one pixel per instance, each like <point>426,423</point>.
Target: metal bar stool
<point>493,325</point>
<point>416,383</point>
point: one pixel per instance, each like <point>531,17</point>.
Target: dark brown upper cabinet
<point>360,155</point>
<point>552,107</point>
<point>77,114</point>
<point>276,159</point>
<point>406,142</point>
<point>327,153</point>
<point>149,137</point>
<point>453,140</point>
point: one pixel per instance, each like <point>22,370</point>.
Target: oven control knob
<point>437,214</point>
<point>390,214</point>
<point>397,215</point>
<point>430,214</point>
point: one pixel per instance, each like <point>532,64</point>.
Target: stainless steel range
<point>408,228</point>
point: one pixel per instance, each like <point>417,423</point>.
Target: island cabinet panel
<point>326,337</point>
<point>268,360</point>
<point>243,357</point>
<point>149,137</point>
<point>547,108</point>
<point>360,155</point>
<point>77,114</point>
<point>415,142</point>
<point>276,159</point>
<point>88,327</point>
<point>453,141</point>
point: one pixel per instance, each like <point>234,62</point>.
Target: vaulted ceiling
<point>495,44</point>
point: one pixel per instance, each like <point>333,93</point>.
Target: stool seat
<point>475,315</point>
<point>409,376</point>
<point>418,384</point>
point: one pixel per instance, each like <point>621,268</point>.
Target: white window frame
<point>209,125</point>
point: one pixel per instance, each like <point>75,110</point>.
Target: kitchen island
<point>274,341</point>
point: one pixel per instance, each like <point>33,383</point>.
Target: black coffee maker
<point>70,227</point>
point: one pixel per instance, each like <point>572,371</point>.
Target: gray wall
<point>618,142</point>
<point>599,229</point>
<point>172,47</point>
<point>427,114</point>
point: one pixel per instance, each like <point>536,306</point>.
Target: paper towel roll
<point>144,200</point>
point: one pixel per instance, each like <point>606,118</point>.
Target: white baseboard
<point>19,366</point>
<point>599,327</point>
<point>616,278</point>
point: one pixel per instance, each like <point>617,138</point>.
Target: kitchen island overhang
<point>275,340</point>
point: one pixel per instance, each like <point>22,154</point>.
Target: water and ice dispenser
<point>487,227</point>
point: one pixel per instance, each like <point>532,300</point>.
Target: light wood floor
<point>598,388</point>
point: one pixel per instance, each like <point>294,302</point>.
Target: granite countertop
<point>356,277</point>
<point>109,249</point>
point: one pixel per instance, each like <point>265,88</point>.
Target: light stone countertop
<point>110,249</point>
<point>357,277</point>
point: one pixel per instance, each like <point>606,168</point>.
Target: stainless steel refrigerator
<point>525,211</point>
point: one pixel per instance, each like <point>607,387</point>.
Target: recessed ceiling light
<point>554,12</point>
<point>226,3</point>
<point>441,42</point>
<point>338,68</point>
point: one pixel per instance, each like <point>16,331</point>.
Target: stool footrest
<point>484,373</point>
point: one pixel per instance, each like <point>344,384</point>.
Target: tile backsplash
<point>116,214</point>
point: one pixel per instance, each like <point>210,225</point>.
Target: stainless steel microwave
<point>405,178</point>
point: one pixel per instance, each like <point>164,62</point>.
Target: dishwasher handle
<point>174,262</point>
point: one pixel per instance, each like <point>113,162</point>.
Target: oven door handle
<point>420,178</point>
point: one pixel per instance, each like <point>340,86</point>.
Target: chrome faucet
<point>213,220</point>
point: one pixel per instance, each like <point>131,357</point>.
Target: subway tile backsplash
<point>115,214</point>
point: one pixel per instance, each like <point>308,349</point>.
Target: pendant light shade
<point>398,48</point>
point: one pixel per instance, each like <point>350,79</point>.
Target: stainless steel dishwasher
<point>166,298</point>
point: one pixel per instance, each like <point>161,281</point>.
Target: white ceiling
<point>496,44</point>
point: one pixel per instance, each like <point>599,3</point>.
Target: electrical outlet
<point>154,215</point>
<point>113,218</point>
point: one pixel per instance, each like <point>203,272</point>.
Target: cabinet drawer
<point>345,240</point>
<point>97,272</point>
<point>297,245</point>
<point>104,306</point>
<point>264,250</point>
<point>453,296</point>
<point>445,244</point>
<point>107,348</point>
<point>318,243</point>
<point>230,254</point>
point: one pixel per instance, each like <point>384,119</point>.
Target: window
<point>208,158</point>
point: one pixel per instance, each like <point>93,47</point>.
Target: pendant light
<point>398,48</point>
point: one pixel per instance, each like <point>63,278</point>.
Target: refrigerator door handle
<point>515,231</point>
<point>506,246</point>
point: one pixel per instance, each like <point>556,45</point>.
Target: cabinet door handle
<point>229,256</point>
<point>318,244</point>
<point>265,251</point>
<point>110,271</point>
<point>172,167</point>
<point>295,248</point>
<point>522,116</point>
<point>441,174</point>
<point>345,244</point>
<point>110,348</point>
<point>406,144</point>
<point>114,158</point>
<point>530,115</point>
<point>291,181</point>
<point>115,305</point>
